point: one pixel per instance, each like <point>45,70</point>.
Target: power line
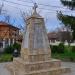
<point>31,6</point>
<point>15,3</point>
<point>31,2</point>
<point>20,8</point>
<point>43,4</point>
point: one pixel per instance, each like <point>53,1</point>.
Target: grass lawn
<point>6,58</point>
<point>64,56</point>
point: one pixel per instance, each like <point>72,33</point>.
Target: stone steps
<point>52,71</point>
<point>50,67</point>
<point>31,66</point>
<point>24,62</point>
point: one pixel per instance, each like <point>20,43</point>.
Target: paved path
<point>70,65</point>
<point>4,71</point>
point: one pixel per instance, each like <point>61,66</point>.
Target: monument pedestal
<point>50,67</point>
<point>35,53</point>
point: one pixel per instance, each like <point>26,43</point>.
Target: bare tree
<point>7,18</point>
<point>1,7</point>
<point>24,16</point>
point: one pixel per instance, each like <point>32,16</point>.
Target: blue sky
<point>49,15</point>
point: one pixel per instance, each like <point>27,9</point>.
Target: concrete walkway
<point>70,65</point>
<point>4,71</point>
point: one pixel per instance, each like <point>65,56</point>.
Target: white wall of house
<point>5,42</point>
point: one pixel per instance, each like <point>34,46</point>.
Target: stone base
<point>51,67</point>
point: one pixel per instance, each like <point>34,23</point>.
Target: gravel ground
<point>4,71</point>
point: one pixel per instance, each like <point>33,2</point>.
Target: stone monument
<point>35,56</point>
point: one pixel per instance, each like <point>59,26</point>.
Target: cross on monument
<point>35,7</point>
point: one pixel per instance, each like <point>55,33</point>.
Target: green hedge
<point>54,49</point>
<point>10,49</point>
<point>62,52</point>
<point>73,49</point>
<point>57,49</point>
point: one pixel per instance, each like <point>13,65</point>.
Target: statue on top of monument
<point>35,6</point>
<point>35,14</point>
